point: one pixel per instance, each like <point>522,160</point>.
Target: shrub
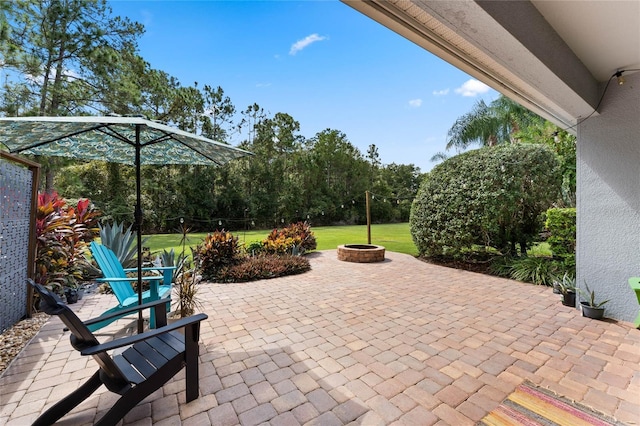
<point>536,270</point>
<point>219,249</point>
<point>294,239</point>
<point>491,196</point>
<point>254,248</point>
<point>264,267</point>
<point>501,266</point>
<point>533,269</point>
<point>561,224</point>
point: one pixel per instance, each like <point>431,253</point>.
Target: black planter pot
<point>591,312</point>
<point>71,294</point>
<point>569,299</point>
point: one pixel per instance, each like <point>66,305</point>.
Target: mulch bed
<point>482,267</point>
<point>16,337</point>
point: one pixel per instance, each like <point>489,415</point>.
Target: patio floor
<point>397,342</point>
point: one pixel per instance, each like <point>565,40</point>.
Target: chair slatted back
<point>112,268</point>
<point>81,338</point>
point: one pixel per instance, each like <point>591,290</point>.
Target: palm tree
<point>489,125</point>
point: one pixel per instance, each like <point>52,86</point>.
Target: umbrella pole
<point>138,222</point>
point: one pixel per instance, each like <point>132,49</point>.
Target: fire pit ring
<point>361,253</point>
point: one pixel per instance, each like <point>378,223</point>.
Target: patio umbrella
<point>127,140</point>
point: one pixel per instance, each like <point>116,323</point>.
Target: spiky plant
<point>121,241</point>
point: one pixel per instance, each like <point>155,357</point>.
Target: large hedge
<point>492,196</point>
<point>561,224</point>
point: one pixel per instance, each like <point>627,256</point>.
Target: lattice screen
<point>15,204</point>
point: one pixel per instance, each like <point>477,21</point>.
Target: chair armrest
<point>126,311</point>
<point>130,340</point>
<point>149,278</point>
<point>150,268</point>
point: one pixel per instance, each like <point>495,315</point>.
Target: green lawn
<point>395,237</point>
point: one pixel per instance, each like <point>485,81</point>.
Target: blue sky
<point>322,62</point>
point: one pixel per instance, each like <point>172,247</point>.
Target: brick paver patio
<point>398,342</point>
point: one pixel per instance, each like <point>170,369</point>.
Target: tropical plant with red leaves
<point>293,239</point>
<point>62,234</point>
<point>218,250</point>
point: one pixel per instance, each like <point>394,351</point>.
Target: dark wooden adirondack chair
<point>151,359</point>
<point>116,276</point>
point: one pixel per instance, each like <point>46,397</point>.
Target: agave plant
<point>566,284</point>
<point>590,295</point>
<point>168,258</point>
<point>121,241</point>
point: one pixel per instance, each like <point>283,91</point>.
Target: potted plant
<point>567,287</point>
<point>71,294</point>
<point>70,289</point>
<point>591,308</point>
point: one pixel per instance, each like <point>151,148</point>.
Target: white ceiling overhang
<point>512,47</point>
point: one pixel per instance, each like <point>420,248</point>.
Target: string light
<point>309,216</point>
<point>620,79</point>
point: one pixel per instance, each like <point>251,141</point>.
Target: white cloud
<point>441,92</point>
<point>415,103</point>
<point>263,84</point>
<point>301,44</point>
<point>67,74</point>
<point>472,88</point>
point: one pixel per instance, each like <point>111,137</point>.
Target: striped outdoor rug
<point>530,405</point>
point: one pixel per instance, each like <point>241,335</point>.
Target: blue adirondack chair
<point>116,276</point>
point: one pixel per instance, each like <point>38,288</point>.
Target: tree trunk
<point>49,175</point>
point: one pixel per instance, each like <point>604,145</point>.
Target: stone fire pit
<point>361,253</point>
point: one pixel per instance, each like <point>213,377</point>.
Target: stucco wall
<point>608,199</point>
